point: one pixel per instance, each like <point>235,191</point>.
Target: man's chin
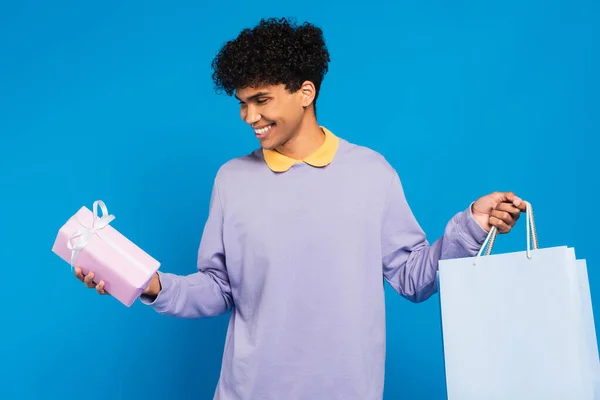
<point>266,145</point>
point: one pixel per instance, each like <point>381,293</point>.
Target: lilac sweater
<point>300,259</point>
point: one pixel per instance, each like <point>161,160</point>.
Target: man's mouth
<point>263,130</point>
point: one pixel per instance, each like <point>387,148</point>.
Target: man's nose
<point>252,116</point>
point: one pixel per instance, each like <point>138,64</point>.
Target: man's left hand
<point>499,209</point>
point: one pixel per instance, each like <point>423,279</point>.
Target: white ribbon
<point>531,236</point>
<point>80,239</point>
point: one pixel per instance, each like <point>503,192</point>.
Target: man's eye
<point>261,101</point>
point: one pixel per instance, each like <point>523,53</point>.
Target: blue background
<point>114,101</point>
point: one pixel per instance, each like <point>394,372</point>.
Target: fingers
<point>502,218</point>
<point>518,202</point>
<point>100,288</point>
<point>79,274</point>
<point>507,210</point>
<point>89,281</point>
<point>505,216</point>
<point>514,212</point>
<point>512,198</point>
<point>502,226</point>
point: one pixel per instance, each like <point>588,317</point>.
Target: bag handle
<point>532,239</point>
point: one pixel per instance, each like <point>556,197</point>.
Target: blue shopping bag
<point>518,325</point>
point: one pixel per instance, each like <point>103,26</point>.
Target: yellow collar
<point>320,158</point>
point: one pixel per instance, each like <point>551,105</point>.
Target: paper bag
<point>518,325</point>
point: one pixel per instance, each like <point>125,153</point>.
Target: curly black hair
<point>276,51</point>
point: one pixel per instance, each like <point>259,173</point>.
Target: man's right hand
<point>89,281</point>
<point>153,288</point>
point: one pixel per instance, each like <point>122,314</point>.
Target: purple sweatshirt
<point>298,252</point>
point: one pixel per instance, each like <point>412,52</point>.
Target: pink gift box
<point>87,240</point>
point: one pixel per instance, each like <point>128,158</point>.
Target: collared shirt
<point>299,260</point>
<point>320,158</point>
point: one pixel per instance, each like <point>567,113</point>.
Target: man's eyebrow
<point>254,96</point>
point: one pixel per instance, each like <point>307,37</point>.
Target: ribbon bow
<point>82,237</point>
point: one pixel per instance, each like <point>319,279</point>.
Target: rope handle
<point>532,238</point>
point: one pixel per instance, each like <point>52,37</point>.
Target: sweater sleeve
<point>206,292</point>
<point>410,263</point>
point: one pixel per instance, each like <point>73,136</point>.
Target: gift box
<point>88,241</point>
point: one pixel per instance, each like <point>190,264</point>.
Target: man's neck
<point>306,141</point>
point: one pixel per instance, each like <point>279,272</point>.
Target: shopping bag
<point>518,325</point>
<point>589,325</point>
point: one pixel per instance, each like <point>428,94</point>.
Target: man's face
<point>273,112</point>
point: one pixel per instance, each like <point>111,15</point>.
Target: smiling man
<point>302,233</point>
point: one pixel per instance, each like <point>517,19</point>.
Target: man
<point>301,234</point>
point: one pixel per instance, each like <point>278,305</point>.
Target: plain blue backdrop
<point>114,101</point>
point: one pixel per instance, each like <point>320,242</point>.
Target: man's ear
<point>308,93</point>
